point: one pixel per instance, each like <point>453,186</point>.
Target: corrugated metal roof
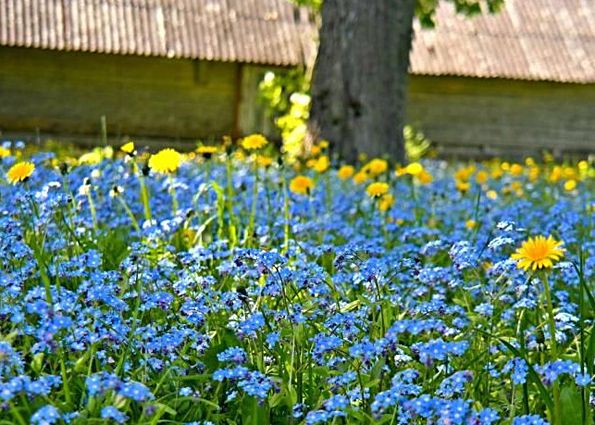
<point>549,40</point>
<point>552,40</point>
<point>256,31</point>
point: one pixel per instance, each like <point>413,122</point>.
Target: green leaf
<point>570,398</point>
<point>590,352</point>
<point>253,413</point>
<point>37,362</point>
<point>533,376</point>
<point>113,245</point>
<point>229,339</point>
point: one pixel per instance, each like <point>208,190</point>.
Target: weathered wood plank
<point>490,115</point>
<point>59,92</point>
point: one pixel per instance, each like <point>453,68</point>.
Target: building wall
<point>475,117</point>
<point>67,93</point>
<point>252,114</point>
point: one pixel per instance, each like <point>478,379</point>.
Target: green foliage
<point>276,89</point>
<point>287,101</point>
<point>286,98</point>
<point>416,144</point>
<point>315,5</point>
<point>290,111</point>
<point>425,10</point>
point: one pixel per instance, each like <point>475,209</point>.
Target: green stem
<point>174,198</point>
<point>130,214</point>
<point>557,413</point>
<point>15,413</point>
<point>92,208</point>
<point>65,383</point>
<point>144,196</point>
<point>229,203</point>
<point>286,217</point>
<point>250,230</point>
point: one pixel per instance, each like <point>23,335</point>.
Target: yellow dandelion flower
<point>128,148</point>
<point>386,202</point>
<point>482,177</point>
<point>555,174</point>
<point>322,164</point>
<point>570,173</point>
<point>239,155</point>
<point>534,174</point>
<point>516,187</point>
<point>345,172</point>
<point>492,194</point>
<point>360,177</point>
<point>570,185</point>
<point>462,186</point>
<point>207,151</point>
<point>377,189</point>
<point>375,167</point>
<point>470,224</point>
<point>316,150</point>
<point>516,169</point>
<point>165,161</point>
<point>425,178</point>
<point>4,152</point>
<point>496,173</point>
<point>90,158</point>
<point>414,169</point>
<point>463,174</point>
<point>20,172</point>
<point>302,185</point>
<point>538,253</point>
<point>264,161</point>
<point>254,142</point>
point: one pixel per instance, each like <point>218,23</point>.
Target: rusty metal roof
<point>267,32</point>
<point>548,40</point>
<point>551,40</point>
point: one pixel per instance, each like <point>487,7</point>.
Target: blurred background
<point>492,78</point>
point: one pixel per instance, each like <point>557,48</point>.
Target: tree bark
<point>360,77</point>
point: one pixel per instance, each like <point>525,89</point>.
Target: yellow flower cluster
<point>206,151</point>
<point>254,142</point>
<point>263,160</point>
<point>20,172</point>
<point>166,161</point>
<point>345,172</point>
<point>320,164</point>
<point>538,253</point>
<point>301,185</point>
<point>417,171</point>
<point>128,148</point>
<point>377,189</point>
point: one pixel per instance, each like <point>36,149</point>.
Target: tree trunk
<point>360,77</point>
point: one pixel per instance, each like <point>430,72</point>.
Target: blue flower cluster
<point>215,294</point>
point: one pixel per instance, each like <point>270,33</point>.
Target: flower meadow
<point>229,286</point>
